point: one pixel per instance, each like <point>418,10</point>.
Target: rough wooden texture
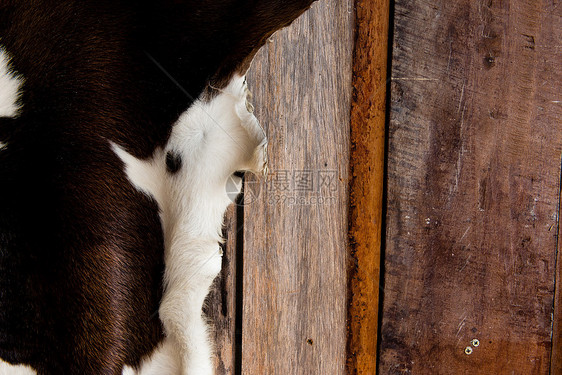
<point>556,362</point>
<point>295,237</point>
<point>368,113</point>
<point>220,306</point>
<point>473,191</point>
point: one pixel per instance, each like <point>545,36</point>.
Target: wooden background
<point>280,307</point>
<point>475,145</point>
<point>295,239</point>
<point>472,195</point>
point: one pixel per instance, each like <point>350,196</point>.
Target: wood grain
<point>295,236</point>
<point>473,190</point>
<point>368,113</point>
<point>220,305</point>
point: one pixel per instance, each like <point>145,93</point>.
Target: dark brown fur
<point>81,251</point>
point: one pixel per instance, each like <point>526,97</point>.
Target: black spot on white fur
<point>173,162</point>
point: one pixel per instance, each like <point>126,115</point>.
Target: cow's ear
<point>256,25</point>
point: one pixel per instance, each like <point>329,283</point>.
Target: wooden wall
<point>475,144</point>
<point>295,233</point>
<point>472,195</point>
<point>280,306</point>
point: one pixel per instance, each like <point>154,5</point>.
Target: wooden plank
<point>556,361</point>
<point>368,113</point>
<point>220,305</point>
<point>474,169</point>
<point>295,236</point>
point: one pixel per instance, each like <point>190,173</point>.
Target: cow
<point>120,123</point>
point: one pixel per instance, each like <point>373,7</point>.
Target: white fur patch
<point>7,369</point>
<point>214,139</point>
<point>164,361</point>
<point>10,87</point>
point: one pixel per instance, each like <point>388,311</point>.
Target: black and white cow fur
<point>120,123</point>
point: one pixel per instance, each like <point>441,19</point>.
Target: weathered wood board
<point>473,187</point>
<point>368,114</point>
<point>295,221</point>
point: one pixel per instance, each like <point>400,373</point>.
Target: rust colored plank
<point>368,112</point>
<point>556,362</point>
<point>295,227</point>
<point>220,305</point>
<point>473,190</point>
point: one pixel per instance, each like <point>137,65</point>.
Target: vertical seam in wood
<point>388,104</point>
<point>239,287</point>
<point>555,351</point>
